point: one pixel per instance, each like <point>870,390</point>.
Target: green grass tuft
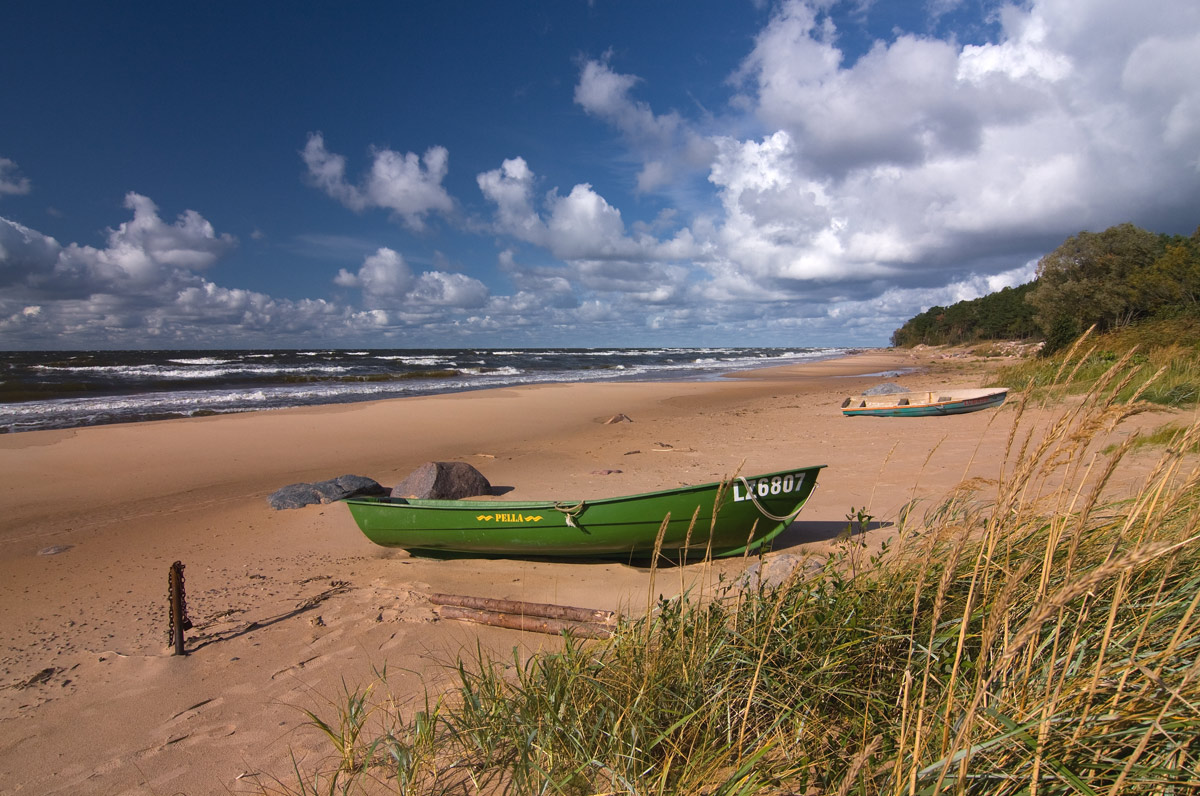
<point>1162,357</point>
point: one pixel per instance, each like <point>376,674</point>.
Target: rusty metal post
<point>177,609</point>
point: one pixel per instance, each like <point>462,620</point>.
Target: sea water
<point>67,389</point>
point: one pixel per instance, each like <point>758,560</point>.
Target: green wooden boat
<point>749,513</point>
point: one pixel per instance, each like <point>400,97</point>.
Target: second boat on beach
<point>923,404</point>
<point>731,517</point>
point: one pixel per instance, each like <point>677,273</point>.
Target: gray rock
<point>345,486</point>
<point>443,481</point>
<point>361,485</point>
<point>886,388</point>
<point>294,496</point>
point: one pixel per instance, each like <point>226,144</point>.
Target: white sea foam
<point>424,360</point>
<point>494,372</point>
<point>223,382</point>
<point>201,361</point>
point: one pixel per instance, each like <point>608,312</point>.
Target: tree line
<point>1108,279</point>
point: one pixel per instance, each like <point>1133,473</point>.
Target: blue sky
<point>284,174</point>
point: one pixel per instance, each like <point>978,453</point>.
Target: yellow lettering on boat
<point>509,518</point>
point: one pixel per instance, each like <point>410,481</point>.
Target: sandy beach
<point>289,605</point>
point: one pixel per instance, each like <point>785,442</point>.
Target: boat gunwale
<point>476,504</point>
<point>983,392</point>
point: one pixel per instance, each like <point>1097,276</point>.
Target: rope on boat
<point>767,514</point>
<point>570,512</point>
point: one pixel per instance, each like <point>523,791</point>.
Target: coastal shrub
<point>1003,315</point>
<point>1170,371</point>
<point>1036,633</point>
<point>1118,279</point>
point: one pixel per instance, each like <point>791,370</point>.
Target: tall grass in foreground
<point>1032,635</point>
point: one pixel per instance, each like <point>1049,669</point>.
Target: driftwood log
<point>533,624</point>
<point>566,612</point>
<point>533,617</point>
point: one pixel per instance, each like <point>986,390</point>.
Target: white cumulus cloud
<point>384,274</point>
<point>387,281</point>
<point>667,146</point>
<point>145,253</point>
<point>11,181</point>
<point>510,187</point>
<point>408,185</point>
<point>144,285</point>
<point>925,161</point>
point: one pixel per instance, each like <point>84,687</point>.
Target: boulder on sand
<point>443,481</point>
<point>887,388</point>
<point>345,486</point>
<point>294,496</point>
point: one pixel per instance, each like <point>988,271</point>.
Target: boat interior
<point>918,398</point>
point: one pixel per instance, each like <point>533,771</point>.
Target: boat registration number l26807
<point>765,487</point>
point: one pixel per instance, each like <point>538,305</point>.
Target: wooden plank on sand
<point>534,624</point>
<point>562,612</point>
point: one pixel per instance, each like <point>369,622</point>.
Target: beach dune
<point>291,607</point>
